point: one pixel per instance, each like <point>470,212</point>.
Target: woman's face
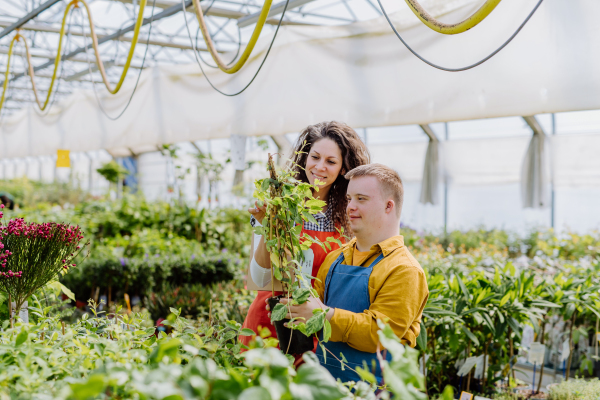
<point>324,162</point>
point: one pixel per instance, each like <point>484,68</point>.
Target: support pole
<point>552,198</point>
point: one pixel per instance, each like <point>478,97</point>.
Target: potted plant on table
<point>33,254</point>
<point>289,203</point>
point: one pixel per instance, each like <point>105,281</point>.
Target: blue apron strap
<point>337,262</point>
<point>379,258</point>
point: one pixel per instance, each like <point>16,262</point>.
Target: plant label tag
<point>238,152</point>
<point>598,336</point>
<point>23,312</point>
<point>536,354</point>
<point>479,372</point>
<point>63,159</point>
<point>566,350</point>
<point>307,264</point>
<point>467,366</point>
<point>466,396</point>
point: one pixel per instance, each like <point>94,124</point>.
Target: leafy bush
<point>107,272</point>
<point>35,194</point>
<point>577,389</point>
<point>218,302</point>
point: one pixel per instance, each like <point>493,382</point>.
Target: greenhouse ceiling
<point>230,24</point>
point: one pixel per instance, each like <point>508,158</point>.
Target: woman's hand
<point>258,212</point>
<point>303,312</point>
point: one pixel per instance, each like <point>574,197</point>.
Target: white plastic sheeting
<point>360,74</point>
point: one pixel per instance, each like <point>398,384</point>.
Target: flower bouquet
<point>33,254</point>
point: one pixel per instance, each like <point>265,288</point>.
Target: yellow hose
<point>56,60</point>
<point>138,25</point>
<point>262,19</point>
<point>134,41</point>
<point>452,29</point>
<point>5,84</point>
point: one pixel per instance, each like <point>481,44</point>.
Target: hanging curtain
<point>431,174</point>
<point>535,173</point>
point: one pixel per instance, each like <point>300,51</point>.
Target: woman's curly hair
<point>354,154</point>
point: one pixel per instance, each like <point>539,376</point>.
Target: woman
<point>324,151</point>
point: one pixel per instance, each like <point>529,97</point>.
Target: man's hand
<point>305,310</point>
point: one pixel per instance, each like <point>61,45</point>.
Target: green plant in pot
<point>33,254</point>
<point>289,203</point>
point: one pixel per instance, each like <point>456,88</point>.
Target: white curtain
<point>431,174</point>
<point>358,73</point>
<point>535,173</point>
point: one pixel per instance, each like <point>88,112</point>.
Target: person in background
<point>8,200</point>
<point>325,151</point>
<point>373,277</point>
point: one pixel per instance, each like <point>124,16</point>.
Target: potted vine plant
<point>32,255</point>
<point>289,203</point>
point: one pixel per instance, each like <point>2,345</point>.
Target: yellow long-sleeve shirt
<point>398,292</point>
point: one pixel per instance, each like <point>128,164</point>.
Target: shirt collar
<point>385,247</point>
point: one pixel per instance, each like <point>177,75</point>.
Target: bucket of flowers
<point>32,255</point>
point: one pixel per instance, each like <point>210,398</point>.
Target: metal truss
<point>230,23</point>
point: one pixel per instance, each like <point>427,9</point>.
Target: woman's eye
<point>314,157</point>
<point>331,162</point>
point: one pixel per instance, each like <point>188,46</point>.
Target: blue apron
<point>347,287</point>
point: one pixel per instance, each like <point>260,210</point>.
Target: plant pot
<point>299,343</point>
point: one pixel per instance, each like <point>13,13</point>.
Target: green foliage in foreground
<point>118,358</point>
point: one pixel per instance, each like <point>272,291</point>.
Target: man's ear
<point>389,207</point>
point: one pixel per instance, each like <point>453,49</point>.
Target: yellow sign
<point>466,396</point>
<point>63,159</point>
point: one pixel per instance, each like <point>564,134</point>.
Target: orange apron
<point>257,313</point>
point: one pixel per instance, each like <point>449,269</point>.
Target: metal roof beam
<point>220,12</point>
<point>53,29</point>
<point>39,53</point>
<point>429,132</point>
<point>28,17</point>
<point>164,14</point>
<point>275,10</point>
<point>534,125</point>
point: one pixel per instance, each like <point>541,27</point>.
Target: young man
<point>372,277</point>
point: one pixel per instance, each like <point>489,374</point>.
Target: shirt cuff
<point>339,325</point>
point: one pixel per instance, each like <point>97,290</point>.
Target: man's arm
<point>400,301</point>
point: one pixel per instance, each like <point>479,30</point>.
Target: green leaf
<point>470,335</point>
<point>279,312</point>
<point>247,332</point>
<point>169,348</point>
<point>301,295</point>
<point>448,393</point>
<point>90,389</point>
<point>505,299</point>
<point>463,288</point>
<point>255,393</point>
<point>422,338</point>
<point>326,330</point>
<point>21,337</point>
<point>315,323</point>
<point>60,287</point>
<point>314,382</point>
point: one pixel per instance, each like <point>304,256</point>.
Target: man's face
<point>366,205</point>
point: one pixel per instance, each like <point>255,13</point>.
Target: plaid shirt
<point>324,222</point>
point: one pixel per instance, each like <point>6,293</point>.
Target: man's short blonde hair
<point>389,180</point>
